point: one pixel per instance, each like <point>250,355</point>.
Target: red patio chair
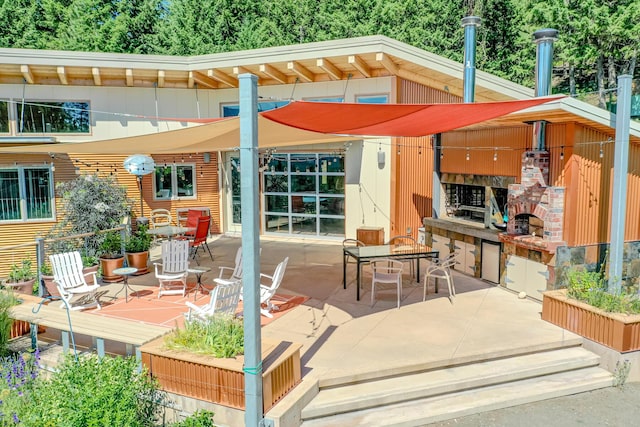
<point>192,221</point>
<point>200,238</point>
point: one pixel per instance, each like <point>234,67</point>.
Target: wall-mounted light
<point>381,159</point>
<point>206,157</point>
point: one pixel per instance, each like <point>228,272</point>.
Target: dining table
<point>364,254</point>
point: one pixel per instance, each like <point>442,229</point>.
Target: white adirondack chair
<point>269,287</point>
<point>223,299</point>
<point>231,274</point>
<point>70,281</point>
<point>172,271</point>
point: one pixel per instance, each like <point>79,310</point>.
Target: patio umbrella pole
<point>140,187</point>
<point>253,415</point>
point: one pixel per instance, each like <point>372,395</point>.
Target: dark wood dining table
<point>363,254</point>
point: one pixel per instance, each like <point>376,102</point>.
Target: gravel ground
<point>613,406</point>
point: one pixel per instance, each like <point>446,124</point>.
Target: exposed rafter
<point>62,75</point>
<point>204,81</point>
<point>222,77</point>
<point>359,65</point>
<point>160,78</point>
<point>129,76</point>
<point>387,63</point>
<point>334,72</point>
<point>273,73</point>
<point>97,80</point>
<point>302,72</point>
<point>191,80</point>
<point>27,74</point>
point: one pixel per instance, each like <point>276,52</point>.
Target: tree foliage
<point>598,38</point>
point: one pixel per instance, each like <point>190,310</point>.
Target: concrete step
<point>423,411</point>
<point>435,382</point>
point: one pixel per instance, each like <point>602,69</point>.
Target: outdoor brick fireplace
<point>536,211</point>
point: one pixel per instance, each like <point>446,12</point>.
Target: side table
<point>198,271</point>
<point>125,272</point>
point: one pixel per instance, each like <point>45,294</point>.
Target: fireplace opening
<point>529,224</point>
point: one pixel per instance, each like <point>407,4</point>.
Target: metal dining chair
<point>386,270</point>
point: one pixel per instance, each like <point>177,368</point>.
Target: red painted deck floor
<point>168,310</point>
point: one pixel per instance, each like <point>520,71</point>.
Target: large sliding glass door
<point>304,194</point>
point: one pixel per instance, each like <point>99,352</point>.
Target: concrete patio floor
<point>345,337</point>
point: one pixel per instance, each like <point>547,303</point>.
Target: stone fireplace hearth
<point>536,211</point>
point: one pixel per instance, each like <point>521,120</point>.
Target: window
<point>233,110</point>
<point>372,99</point>
<point>53,117</point>
<point>175,181</point>
<point>4,117</point>
<point>332,99</point>
<point>26,193</point>
<point>304,194</point>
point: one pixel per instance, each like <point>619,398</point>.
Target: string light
<point>441,153</point>
<point>601,150</point>
<point>495,155</point>
<point>562,153</point>
<point>468,155</point>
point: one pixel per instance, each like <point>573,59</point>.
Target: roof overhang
<point>563,110</point>
<point>355,58</point>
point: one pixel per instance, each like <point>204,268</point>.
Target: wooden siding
<point>508,143</point>
<point>67,167</point>
<point>412,165</point>
<point>589,180</point>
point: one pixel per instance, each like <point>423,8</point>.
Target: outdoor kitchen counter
<point>464,228</point>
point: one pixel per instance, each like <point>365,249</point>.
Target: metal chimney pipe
<point>470,23</point>
<point>544,39</point>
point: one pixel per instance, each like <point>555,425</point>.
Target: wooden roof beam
<point>205,81</point>
<point>129,76</point>
<point>27,74</point>
<point>160,78</point>
<point>359,65</point>
<point>62,75</point>
<point>302,72</point>
<point>334,72</point>
<point>273,73</point>
<point>222,77</point>
<point>97,79</point>
<point>191,80</point>
<point>387,63</point>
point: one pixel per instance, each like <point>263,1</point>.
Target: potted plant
<point>22,277</point>
<point>587,309</point>
<point>137,249</point>
<point>46,275</point>
<point>111,256</point>
<point>90,264</point>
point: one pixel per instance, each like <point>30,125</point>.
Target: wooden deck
<point>131,333</point>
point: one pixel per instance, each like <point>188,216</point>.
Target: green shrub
<point>7,300</point>
<point>591,288</point>
<point>200,418</point>
<point>139,241</point>
<point>110,391</point>
<point>221,336</point>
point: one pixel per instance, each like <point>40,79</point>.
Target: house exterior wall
<point>412,167</point>
<point>68,167</point>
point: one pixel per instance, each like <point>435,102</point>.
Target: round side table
<point>198,271</point>
<point>125,272</point>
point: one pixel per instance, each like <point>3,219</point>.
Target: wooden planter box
<point>620,332</point>
<point>19,328</point>
<point>221,381</point>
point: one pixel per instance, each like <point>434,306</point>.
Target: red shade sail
<point>392,119</point>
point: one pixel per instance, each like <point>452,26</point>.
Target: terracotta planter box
<point>221,381</point>
<point>620,332</point>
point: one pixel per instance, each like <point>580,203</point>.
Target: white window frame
<point>22,183</point>
<point>174,182</point>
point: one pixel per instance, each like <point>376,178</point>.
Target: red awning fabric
<point>392,119</point>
